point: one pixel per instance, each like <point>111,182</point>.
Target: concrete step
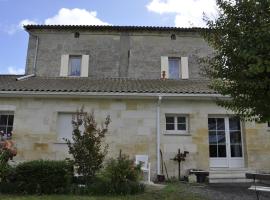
<point>227,175</point>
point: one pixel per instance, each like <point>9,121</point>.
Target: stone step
<point>228,175</point>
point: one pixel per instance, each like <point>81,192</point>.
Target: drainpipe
<point>35,59</point>
<point>158,134</point>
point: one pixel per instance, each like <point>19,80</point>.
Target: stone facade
<point>35,130</point>
<point>115,54</point>
<point>134,119</point>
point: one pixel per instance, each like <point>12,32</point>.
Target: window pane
<point>9,131</point>
<point>221,150</point>
<point>181,127</point>
<point>170,120</point>
<point>169,126</point>
<point>181,120</point>
<point>3,120</point>
<point>212,137</point>
<point>211,123</point>
<point>75,66</point>
<point>174,65</point>
<point>220,124</point>
<point>236,151</point>
<point>213,150</point>
<point>221,138</point>
<point>10,120</point>
<point>235,137</point>
<point>234,124</point>
<point>3,129</point>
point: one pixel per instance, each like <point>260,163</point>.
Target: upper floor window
<point>176,123</point>
<point>6,125</point>
<point>174,68</point>
<point>74,65</point>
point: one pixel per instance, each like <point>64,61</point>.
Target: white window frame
<point>7,125</point>
<point>69,65</point>
<point>176,131</point>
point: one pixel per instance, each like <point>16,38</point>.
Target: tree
<point>87,147</point>
<point>240,66</point>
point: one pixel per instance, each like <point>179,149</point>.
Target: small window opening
<point>173,37</point>
<point>76,34</point>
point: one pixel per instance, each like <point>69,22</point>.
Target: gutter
<point>105,94</point>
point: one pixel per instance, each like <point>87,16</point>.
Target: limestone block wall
<point>114,53</point>
<point>133,130</point>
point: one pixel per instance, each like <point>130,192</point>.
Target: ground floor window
<point>6,125</point>
<point>176,123</point>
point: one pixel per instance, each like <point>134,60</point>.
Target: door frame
<point>228,161</point>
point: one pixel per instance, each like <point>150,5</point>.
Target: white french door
<point>225,142</point>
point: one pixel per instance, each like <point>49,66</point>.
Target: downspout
<point>35,61</point>
<point>158,134</point>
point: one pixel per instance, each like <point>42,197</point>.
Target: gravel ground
<point>227,191</point>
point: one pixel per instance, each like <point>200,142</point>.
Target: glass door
<point>225,142</point>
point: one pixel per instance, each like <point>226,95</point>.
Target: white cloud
<point>75,16</point>
<point>12,29</point>
<point>188,13</point>
<point>64,16</point>
<point>13,70</point>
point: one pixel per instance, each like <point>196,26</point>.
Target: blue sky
<point>14,13</point>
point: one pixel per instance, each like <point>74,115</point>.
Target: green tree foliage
<point>87,147</point>
<point>240,66</point>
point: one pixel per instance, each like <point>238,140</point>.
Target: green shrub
<point>43,177</point>
<point>87,147</point>
<point>122,176</point>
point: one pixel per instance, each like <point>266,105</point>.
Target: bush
<point>40,177</point>
<point>87,147</point>
<point>122,176</point>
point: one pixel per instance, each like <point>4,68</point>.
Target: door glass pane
<point>221,138</point>
<point>220,124</point>
<point>234,124</point>
<point>213,150</point>
<point>212,124</point>
<point>174,65</point>
<point>235,137</point>
<point>236,150</point>
<point>222,151</point>
<point>212,137</point>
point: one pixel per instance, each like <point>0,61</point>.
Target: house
<point>148,80</point>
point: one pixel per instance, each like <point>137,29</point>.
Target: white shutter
<point>184,68</point>
<point>64,127</point>
<point>164,66</point>
<point>85,65</point>
<point>64,65</point>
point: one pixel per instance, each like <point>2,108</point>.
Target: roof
<point>9,83</point>
<point>113,28</point>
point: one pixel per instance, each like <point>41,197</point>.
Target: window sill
<point>177,133</point>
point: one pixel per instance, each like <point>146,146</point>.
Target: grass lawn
<point>170,192</point>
